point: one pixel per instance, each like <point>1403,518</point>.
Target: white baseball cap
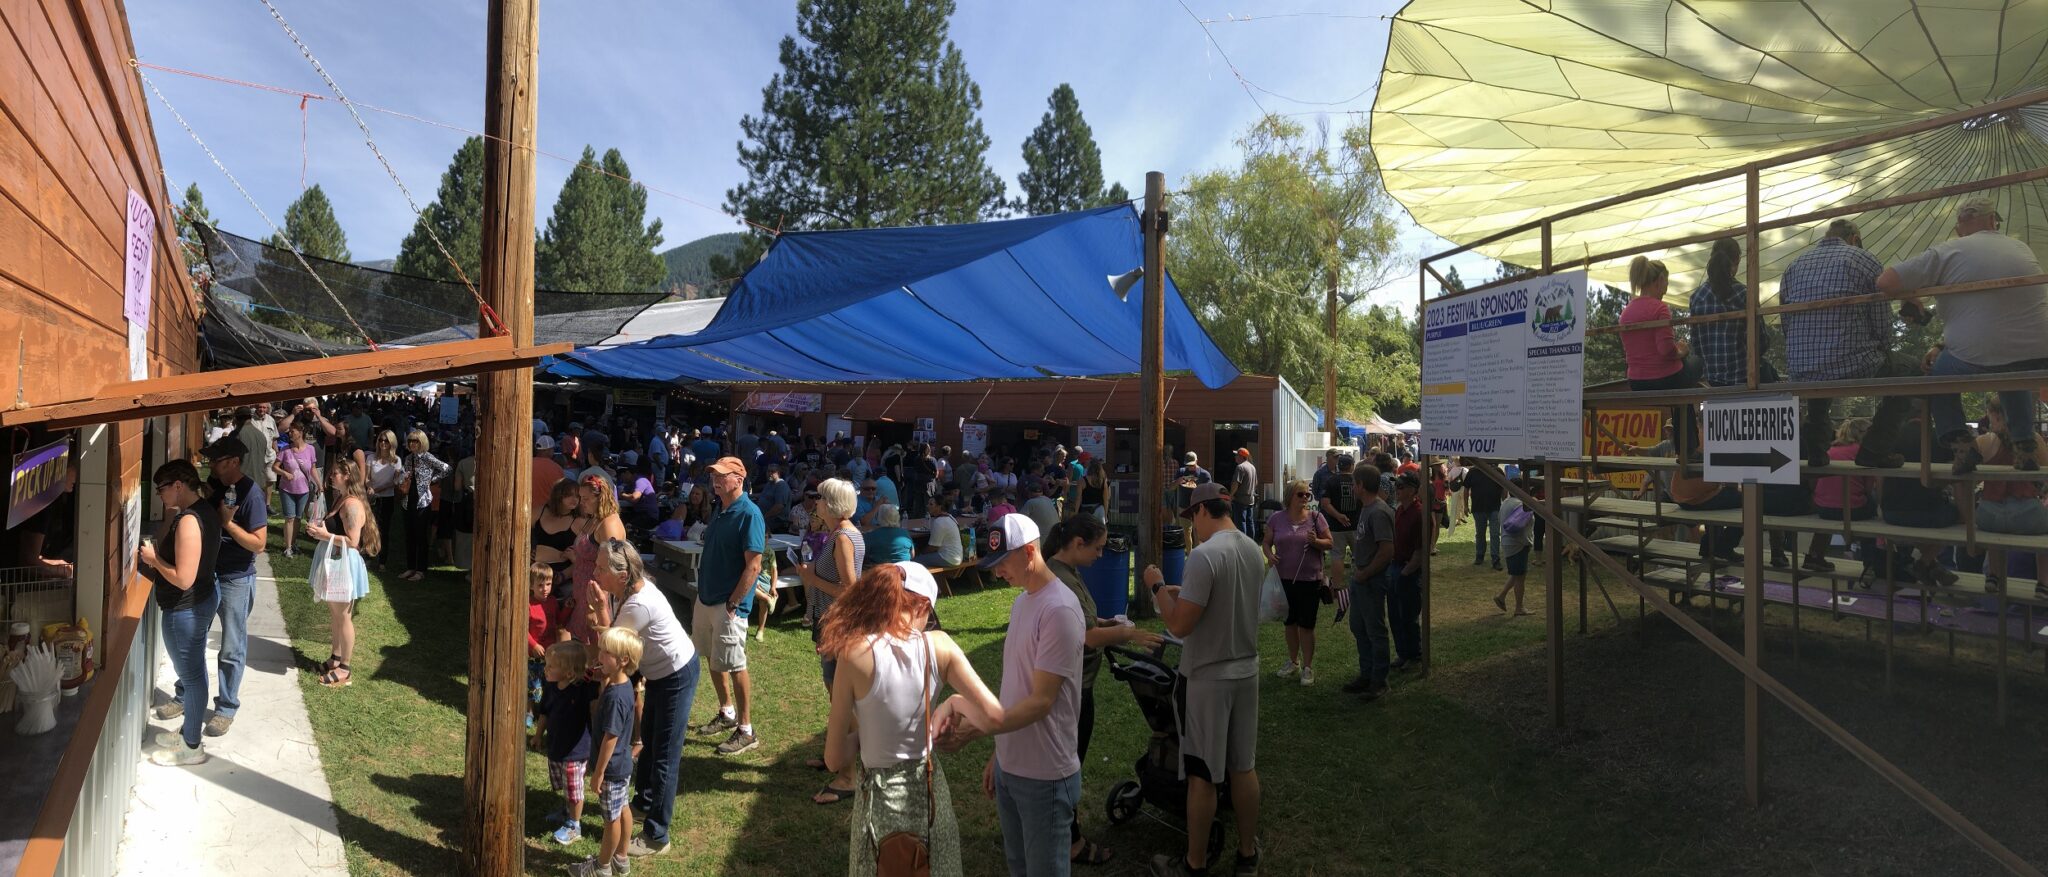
<point>919,581</point>
<point>1010,532</point>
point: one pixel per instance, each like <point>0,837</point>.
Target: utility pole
<point>494,770</point>
<point>1330,330</point>
<point>1152,394</point>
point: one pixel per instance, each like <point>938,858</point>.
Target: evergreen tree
<point>1452,282</point>
<point>309,223</point>
<point>595,241</point>
<point>190,213</point>
<point>1062,165</point>
<point>872,122</point>
<point>456,216</point>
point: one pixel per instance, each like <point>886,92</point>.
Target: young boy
<point>547,622</point>
<point>565,722</point>
<point>612,727</point>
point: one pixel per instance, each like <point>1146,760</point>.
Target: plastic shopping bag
<point>330,578</point>
<point>1272,598</point>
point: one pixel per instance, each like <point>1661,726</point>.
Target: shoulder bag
<point>909,853</point>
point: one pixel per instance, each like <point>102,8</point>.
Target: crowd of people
<point>1982,331</point>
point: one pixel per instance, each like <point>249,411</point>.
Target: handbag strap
<point>925,691</point>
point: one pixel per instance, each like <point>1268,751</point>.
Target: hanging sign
<point>1093,438</point>
<point>141,256</point>
<point>36,480</point>
<point>787,403</point>
<point>623,396</point>
<point>973,439</point>
<point>1755,439</point>
<point>1503,370</point>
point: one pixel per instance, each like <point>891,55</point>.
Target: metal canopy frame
<point>1749,660</point>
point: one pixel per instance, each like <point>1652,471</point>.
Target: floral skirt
<point>891,800</point>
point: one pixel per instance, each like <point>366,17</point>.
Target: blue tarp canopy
<point>1020,298</point>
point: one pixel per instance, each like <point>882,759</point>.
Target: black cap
<point>226,446</point>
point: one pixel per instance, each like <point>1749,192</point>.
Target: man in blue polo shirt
<point>244,531</point>
<point>733,542</point>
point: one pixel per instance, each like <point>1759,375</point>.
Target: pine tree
<point>190,213</point>
<point>1452,282</point>
<point>1062,165</point>
<point>309,223</point>
<point>595,242</point>
<point>872,122</point>
<point>456,216</point>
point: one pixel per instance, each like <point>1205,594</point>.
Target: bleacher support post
<point>1753,640</point>
<point>1553,609</point>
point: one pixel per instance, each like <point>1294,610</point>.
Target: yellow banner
<point>1640,427</point>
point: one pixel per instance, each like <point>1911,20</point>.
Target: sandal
<point>1092,853</point>
<point>338,677</point>
<point>328,665</point>
<point>832,795</point>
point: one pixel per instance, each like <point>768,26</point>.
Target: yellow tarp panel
<point>1495,112</point>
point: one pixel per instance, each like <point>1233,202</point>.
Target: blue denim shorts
<point>295,503</point>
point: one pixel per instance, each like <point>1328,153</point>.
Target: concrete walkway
<point>261,804</point>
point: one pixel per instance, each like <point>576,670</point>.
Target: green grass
<point>1423,782</point>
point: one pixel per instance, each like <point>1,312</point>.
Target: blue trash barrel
<point>1109,577</point>
<point>1173,553</point>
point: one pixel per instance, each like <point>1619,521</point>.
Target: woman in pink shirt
<point>1657,359</point>
<point>296,472</point>
<point>1837,496</point>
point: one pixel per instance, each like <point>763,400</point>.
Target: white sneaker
<point>180,756</point>
<point>169,740</point>
<point>1308,676</point>
<point>1286,670</point>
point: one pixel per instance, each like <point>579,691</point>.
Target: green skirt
<point>893,799</point>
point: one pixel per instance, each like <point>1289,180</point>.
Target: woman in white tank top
<point>889,670</point>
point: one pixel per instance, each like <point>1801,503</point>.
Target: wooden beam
<point>1152,395</point>
<point>202,391</point>
<point>494,765</point>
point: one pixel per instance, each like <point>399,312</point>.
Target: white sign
<point>1093,438</point>
<point>138,351</point>
<point>1503,370</point>
<point>1754,439</point>
<point>973,439</point>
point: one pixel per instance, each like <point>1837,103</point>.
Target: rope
<point>771,232</point>
<point>288,242</point>
<point>490,314</point>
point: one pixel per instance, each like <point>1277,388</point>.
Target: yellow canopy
<point>1492,113</point>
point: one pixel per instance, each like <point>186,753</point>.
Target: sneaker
<point>1247,866</point>
<point>1358,685</point>
<point>739,742</point>
<point>719,724</point>
<point>181,756</point>
<point>2023,455</point>
<point>1170,865</point>
<point>1373,692</point>
<point>1308,676</point>
<point>166,712</point>
<point>1286,670</point>
<point>1479,561</point>
<point>218,725</point>
<point>588,868</point>
<point>569,833</point>
<point>1405,665</point>
<point>638,848</point>
<point>621,866</point>
<point>169,740</point>
<point>1817,564</point>
<point>1496,566</point>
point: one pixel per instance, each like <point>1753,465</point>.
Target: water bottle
<point>803,552</point>
<point>230,498</point>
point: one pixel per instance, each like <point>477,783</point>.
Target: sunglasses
<point>1303,494</point>
<point>166,486</point>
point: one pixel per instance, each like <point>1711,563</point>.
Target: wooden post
<point>1753,639</point>
<point>1330,330</point>
<point>1553,609</point>
<point>1152,392</point>
<point>494,772</point>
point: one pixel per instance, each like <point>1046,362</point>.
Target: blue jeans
<point>185,642</point>
<point>1369,624</point>
<point>1246,516</point>
<point>1484,525</point>
<point>1035,815</point>
<point>1948,409</point>
<point>663,717</point>
<point>237,595</point>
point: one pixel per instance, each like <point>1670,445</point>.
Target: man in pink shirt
<point>1035,774</point>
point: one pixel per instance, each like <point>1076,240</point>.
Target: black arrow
<point>1772,461</point>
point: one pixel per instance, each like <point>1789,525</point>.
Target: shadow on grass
<point>434,658</point>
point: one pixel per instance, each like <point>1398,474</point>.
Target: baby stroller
<point>1161,698</point>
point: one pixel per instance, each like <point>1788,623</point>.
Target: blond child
<point>565,725</point>
<point>611,729</point>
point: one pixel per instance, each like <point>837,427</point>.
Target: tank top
<point>169,597</point>
<point>892,715</point>
<point>1090,494</point>
<point>558,541</point>
<point>827,568</point>
<point>1998,491</point>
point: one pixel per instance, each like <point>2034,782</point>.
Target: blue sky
<point>667,83</point>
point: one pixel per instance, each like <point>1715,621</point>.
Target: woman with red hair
<point>889,670</point>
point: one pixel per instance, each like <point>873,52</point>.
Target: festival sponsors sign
<point>1615,429</point>
<point>36,480</point>
<point>1093,438</point>
<point>1503,370</point>
<point>973,439</point>
<point>784,403</point>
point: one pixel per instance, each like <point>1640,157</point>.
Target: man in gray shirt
<point>1994,330</point>
<point>1372,580</point>
<point>1216,613</point>
<point>1244,493</point>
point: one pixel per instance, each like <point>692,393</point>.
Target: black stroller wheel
<point>1125,801</point>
